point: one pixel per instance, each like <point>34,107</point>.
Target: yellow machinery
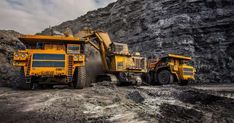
<point>50,60</point>
<point>120,66</point>
<point>169,69</point>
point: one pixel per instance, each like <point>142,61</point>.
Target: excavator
<point>120,66</point>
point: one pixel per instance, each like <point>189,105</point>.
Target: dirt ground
<point>107,103</point>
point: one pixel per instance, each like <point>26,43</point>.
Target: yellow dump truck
<point>50,60</point>
<point>169,69</point>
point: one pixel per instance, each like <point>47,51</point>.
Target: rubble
<point>102,103</point>
<point>136,97</point>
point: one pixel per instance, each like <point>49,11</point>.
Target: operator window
<point>117,48</point>
<point>39,45</point>
<point>166,60</point>
<point>73,49</point>
<point>186,62</point>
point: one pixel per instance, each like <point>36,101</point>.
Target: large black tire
<point>150,78</point>
<point>164,77</point>
<point>146,78</point>
<point>20,83</point>
<point>80,78</point>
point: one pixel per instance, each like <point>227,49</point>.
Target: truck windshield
<point>190,63</point>
<point>74,48</point>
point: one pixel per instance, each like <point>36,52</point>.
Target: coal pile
<point>8,44</point>
<point>173,113</point>
<point>136,97</point>
<point>202,29</point>
<point>103,103</point>
<point>182,104</point>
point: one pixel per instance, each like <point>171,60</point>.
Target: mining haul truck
<point>50,60</point>
<point>120,65</point>
<point>169,69</point>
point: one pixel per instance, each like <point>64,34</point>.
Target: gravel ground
<point>108,103</point>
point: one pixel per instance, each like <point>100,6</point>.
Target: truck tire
<point>20,83</point>
<point>80,78</point>
<point>165,77</point>
<point>150,78</point>
<point>147,78</point>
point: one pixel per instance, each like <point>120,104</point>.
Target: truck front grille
<point>48,64</point>
<point>188,71</point>
<point>48,60</point>
<point>139,64</point>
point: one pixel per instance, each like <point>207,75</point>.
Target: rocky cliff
<point>203,29</point>
<point>8,44</point>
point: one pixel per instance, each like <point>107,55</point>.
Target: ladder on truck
<point>27,77</point>
<point>70,66</point>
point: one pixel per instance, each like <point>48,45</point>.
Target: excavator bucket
<point>102,36</point>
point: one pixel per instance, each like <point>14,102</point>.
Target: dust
<point>93,64</point>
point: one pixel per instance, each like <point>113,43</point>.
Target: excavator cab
<point>119,48</point>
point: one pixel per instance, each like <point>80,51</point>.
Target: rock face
<point>8,44</point>
<point>203,29</point>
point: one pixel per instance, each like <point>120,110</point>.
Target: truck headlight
<point>16,55</point>
<point>80,57</point>
<point>75,58</point>
<point>23,55</point>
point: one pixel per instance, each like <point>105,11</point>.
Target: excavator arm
<point>103,43</point>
